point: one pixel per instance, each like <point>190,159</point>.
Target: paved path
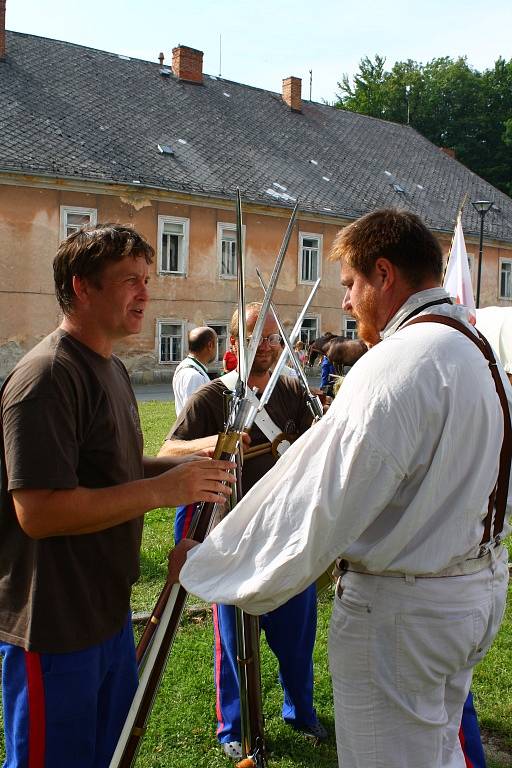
<point>163,391</point>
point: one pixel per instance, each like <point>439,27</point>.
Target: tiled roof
<point>67,110</point>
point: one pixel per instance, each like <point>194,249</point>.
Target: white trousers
<point>401,655</point>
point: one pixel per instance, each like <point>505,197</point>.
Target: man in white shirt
<point>192,373</point>
<point>396,478</point>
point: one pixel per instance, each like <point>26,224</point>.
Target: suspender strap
<point>498,497</point>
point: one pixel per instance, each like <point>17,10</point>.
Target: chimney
<point>187,64</point>
<point>292,93</point>
<point>2,30</point>
<point>448,151</point>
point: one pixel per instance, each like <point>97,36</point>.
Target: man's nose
<point>345,304</point>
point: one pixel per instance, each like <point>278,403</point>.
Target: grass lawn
<point>181,728</point>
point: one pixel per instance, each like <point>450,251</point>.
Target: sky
<point>263,41</point>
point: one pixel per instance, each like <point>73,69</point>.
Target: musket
<point>164,622</point>
<point>157,651</point>
<point>247,626</point>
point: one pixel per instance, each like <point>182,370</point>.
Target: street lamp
<point>481,207</point>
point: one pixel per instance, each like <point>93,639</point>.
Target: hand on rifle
<point>177,558</point>
<point>200,480</point>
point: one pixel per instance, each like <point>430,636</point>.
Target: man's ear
<point>385,272</point>
<point>81,289</point>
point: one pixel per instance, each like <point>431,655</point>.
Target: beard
<point>366,317</point>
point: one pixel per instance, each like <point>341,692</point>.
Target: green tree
<point>447,101</point>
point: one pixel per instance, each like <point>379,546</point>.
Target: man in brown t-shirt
<point>74,489</point>
<point>291,629</point>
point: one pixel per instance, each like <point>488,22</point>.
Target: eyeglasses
<point>274,340</point>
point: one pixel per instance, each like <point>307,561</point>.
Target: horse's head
<point>319,346</point>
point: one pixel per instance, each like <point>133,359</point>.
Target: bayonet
<point>314,403</point>
<point>260,322</point>
<point>284,354</point>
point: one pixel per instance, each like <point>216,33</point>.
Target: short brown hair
<point>399,236</point>
<point>253,306</point>
<point>85,253</point>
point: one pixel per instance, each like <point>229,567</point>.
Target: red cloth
<point>230,361</point>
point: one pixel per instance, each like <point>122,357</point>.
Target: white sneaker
<point>232,749</point>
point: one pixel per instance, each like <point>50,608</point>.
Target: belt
<point>465,568</point>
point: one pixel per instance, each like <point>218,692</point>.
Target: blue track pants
<point>66,710</point>
<point>290,632</point>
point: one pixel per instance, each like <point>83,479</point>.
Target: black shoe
<point>315,731</point>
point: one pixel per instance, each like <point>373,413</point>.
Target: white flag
<point>457,278</point>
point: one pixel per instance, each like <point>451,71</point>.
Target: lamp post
<point>481,207</point>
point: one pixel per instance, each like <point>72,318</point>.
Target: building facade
<point>90,136</point>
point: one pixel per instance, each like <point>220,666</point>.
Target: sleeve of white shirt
<point>317,500</point>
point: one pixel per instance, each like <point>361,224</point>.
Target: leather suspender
<point>498,497</point>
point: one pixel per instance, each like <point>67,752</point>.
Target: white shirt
<point>396,475</point>
<point>188,377</point>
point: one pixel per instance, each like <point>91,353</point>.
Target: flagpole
<point>458,216</point>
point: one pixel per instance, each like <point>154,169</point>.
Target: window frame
<point>162,220</point>
<point>504,260</point>
<point>231,228</point>
<point>213,324</point>
<point>311,235</point>
<point>348,319</point>
<point>318,319</point>
<point>65,210</point>
<point>169,321</point>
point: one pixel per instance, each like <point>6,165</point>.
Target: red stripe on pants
<point>462,740</point>
<point>36,711</point>
<point>188,519</point>
<point>217,664</point>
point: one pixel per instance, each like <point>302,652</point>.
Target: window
<point>350,328</point>
<point>505,279</point>
<point>172,245</point>
<point>222,331</point>
<point>310,256</point>
<point>170,341</point>
<point>72,218</point>
<point>309,330</point>
<point>226,249</point>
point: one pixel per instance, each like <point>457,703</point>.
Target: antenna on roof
<point>310,83</point>
<point>220,55</point>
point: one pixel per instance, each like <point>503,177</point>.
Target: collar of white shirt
<point>412,303</point>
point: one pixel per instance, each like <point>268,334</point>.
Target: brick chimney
<point>448,151</point>
<point>2,30</point>
<point>292,93</point>
<point>187,64</point>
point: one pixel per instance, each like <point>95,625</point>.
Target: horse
<point>340,350</point>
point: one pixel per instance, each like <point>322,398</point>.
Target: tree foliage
<point>446,100</point>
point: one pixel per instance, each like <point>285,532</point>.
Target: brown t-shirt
<point>68,418</point>
<point>203,415</point>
